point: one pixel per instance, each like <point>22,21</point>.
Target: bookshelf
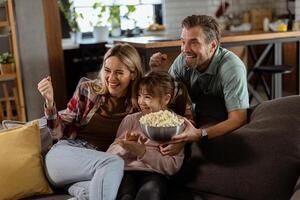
<point>12,105</point>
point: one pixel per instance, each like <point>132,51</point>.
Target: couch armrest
<point>296,194</point>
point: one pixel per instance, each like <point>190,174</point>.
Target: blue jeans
<point>92,174</point>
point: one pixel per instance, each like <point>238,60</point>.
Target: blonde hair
<point>129,56</point>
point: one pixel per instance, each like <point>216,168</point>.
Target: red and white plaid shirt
<point>80,109</point>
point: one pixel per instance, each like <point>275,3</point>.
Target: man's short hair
<point>208,24</point>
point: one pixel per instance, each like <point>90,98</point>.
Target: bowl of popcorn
<point>161,126</point>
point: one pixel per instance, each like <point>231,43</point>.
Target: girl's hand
<point>171,149</point>
<point>137,137</point>
<point>190,134</point>
<point>135,143</point>
<point>132,136</point>
<point>46,90</point>
<point>134,147</point>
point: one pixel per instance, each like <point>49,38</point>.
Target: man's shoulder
<point>177,68</point>
<point>179,62</point>
<point>231,62</point>
<point>230,57</point>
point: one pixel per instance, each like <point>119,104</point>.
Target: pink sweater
<point>152,160</point>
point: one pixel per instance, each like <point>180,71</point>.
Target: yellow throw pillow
<point>21,167</point>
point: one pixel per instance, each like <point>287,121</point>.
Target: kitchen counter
<point>227,37</point>
<point>149,45</point>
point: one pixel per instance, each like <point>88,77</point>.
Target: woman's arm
<point>65,121</point>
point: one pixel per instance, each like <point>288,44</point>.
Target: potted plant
<point>7,63</point>
<point>115,18</point>
<point>100,32</point>
<point>69,12</point>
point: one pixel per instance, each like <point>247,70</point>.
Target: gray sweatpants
<point>93,175</point>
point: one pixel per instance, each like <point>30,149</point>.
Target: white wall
<point>297,7</point>
<point>176,10</point>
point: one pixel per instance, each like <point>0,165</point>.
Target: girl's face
<point>149,103</point>
<point>117,76</point>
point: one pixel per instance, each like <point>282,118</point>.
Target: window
<point>142,17</point>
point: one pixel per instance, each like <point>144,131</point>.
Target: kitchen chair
<point>262,71</point>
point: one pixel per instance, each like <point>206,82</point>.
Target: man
<point>215,78</point>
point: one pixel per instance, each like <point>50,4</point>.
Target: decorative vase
<point>100,33</point>
<point>116,32</point>
<point>75,37</point>
<point>7,68</point>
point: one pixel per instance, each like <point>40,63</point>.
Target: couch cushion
<point>46,139</point>
<point>21,169</point>
<point>261,160</point>
<point>51,197</point>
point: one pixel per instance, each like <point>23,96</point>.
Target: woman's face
<point>117,76</point>
<point>148,103</point>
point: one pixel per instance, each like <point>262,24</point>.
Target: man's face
<point>196,51</point>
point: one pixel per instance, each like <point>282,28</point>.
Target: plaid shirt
<point>80,109</point>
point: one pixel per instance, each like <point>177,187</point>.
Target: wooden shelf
<point>5,35</point>
<point>4,24</point>
<point>8,77</point>
<point>12,99</point>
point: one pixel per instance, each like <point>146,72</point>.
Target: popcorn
<point>161,119</point>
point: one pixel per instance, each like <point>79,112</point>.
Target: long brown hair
<point>160,83</point>
<point>129,56</point>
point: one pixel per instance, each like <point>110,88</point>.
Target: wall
<point>176,10</point>
<point>33,52</point>
<point>40,48</point>
<point>297,7</point>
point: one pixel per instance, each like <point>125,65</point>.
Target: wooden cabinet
<point>12,98</point>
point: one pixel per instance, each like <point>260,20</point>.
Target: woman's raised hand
<point>46,90</point>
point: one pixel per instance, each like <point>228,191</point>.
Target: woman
<point>96,109</point>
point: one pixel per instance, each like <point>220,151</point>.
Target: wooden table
<point>149,45</point>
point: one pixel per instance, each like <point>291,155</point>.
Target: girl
<point>146,169</point>
<point>92,114</point>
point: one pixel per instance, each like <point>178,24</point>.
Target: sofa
<point>259,161</point>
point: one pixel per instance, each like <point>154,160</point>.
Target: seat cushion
<point>261,160</point>
<point>21,168</point>
<point>50,197</point>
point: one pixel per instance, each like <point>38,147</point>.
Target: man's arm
<point>236,119</point>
